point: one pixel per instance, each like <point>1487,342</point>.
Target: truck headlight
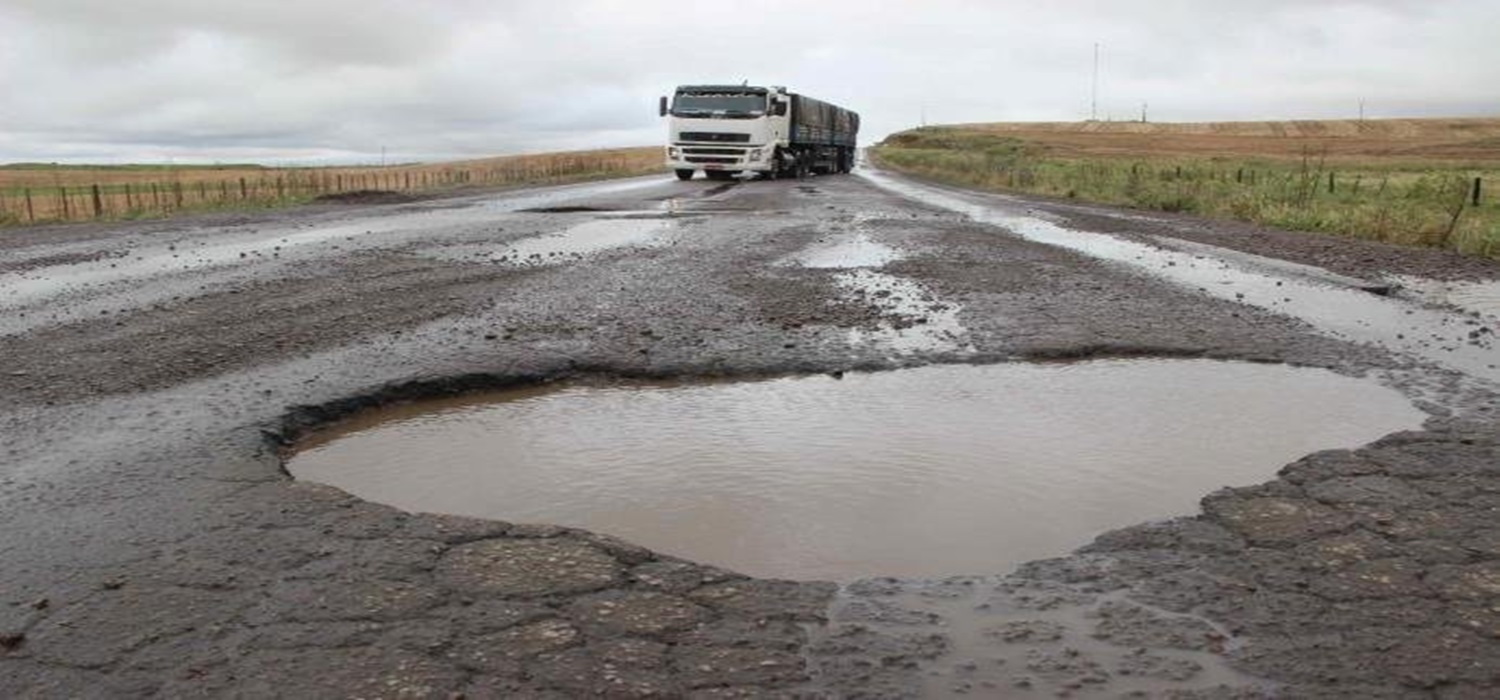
<point>755,154</point>
<point>671,152</point>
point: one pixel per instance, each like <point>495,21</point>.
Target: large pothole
<point>915,473</point>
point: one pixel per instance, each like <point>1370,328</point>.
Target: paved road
<point>153,544</point>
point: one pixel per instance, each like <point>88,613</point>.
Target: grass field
<point>1407,181</point>
<point>41,193</point>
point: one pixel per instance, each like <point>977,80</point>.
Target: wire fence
<point>83,194</point>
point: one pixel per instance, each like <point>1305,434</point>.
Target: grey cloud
<point>338,79</point>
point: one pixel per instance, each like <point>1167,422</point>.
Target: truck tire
<point>684,174</point>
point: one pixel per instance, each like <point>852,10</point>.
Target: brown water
<point>921,472</point>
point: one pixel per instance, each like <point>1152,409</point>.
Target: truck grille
<point>713,151</point>
<point>711,159</point>
<point>714,137</point>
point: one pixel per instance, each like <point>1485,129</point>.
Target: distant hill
<point>1455,139</point>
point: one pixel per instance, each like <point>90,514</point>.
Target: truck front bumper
<point>716,157</point>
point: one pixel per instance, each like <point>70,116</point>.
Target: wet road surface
<point>154,545</point>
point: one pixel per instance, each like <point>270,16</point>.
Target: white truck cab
<point>724,130</point>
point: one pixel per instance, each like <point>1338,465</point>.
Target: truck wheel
<point>684,174</point>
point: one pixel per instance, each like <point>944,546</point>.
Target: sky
<point>345,81</point>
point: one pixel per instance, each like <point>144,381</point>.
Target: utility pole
<point>382,156</point>
<point>1361,110</point>
<point>1143,112</point>
<point>1094,92</point>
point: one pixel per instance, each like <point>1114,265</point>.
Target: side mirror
<point>661,107</point>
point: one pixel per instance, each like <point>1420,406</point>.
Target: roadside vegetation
<point>1410,182</point>
<point>34,193</point>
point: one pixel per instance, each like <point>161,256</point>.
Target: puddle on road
<point>582,239</point>
<point>921,472</point>
<point>1039,639</point>
<point>922,322</point>
<point>1445,338</point>
<point>219,249</point>
<point>1481,298</point>
<point>846,252</point>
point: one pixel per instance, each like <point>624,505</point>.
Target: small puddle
<point>921,322</point>
<point>1478,298</point>
<point>1024,638</point>
<point>214,249</point>
<point>922,472</point>
<point>1440,336</point>
<point>847,252</point>
<point>582,239</point>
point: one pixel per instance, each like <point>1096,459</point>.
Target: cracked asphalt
<point>153,545</point>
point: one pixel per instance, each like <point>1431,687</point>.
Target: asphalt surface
<point>153,545</point>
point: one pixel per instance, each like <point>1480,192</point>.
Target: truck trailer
<point>725,130</point>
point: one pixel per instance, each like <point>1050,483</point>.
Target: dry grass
<point>1402,140</point>
<point>46,193</point>
<point>1406,181</point>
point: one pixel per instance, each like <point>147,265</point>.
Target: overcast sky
<point>313,81</point>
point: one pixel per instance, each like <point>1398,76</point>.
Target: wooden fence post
<point>1477,185</point>
<point>63,192</point>
<point>30,211</point>
<point>1330,182</point>
<point>98,203</point>
<point>244,190</point>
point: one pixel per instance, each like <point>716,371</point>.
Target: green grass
<point>1394,202</point>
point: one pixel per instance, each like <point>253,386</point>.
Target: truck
<point>725,130</point>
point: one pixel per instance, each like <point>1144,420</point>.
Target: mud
<point>370,197</point>
<point>153,546</point>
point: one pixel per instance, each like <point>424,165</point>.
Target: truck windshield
<point>688,104</point>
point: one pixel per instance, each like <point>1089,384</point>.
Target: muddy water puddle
<point>922,472</point>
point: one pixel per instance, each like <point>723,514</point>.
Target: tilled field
<point>152,372</point>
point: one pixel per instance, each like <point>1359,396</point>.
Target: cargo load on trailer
<point>724,130</point>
